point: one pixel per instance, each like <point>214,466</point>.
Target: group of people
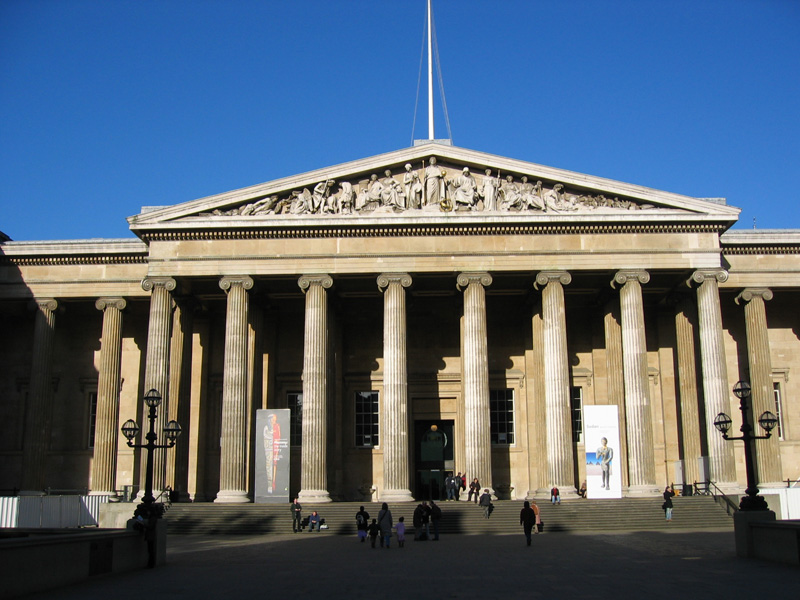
<point>314,521</point>
<point>453,484</point>
<point>380,528</point>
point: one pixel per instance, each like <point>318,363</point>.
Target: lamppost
<point>767,421</point>
<point>130,429</point>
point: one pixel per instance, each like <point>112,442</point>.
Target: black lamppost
<point>131,429</point>
<point>767,421</point>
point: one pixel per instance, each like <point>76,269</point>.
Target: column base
<point>314,496</point>
<point>642,491</point>
<point>232,497</point>
<point>395,496</point>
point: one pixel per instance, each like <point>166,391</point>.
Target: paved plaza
<point>678,564</point>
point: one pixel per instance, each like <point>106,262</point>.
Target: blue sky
<point>110,105</point>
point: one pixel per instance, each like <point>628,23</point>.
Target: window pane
<point>366,419</point>
<point>501,416</point>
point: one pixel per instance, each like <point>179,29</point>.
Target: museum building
<point>431,293</point>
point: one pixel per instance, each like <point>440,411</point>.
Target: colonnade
<point>626,346</point>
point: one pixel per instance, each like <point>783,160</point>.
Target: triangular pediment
<point>410,186</point>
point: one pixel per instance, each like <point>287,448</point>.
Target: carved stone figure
<point>554,199</point>
<point>320,195</point>
<point>413,188</point>
<point>392,193</point>
<point>531,194</point>
<point>510,197</point>
<point>301,202</point>
<point>434,183</point>
<point>464,188</point>
<point>345,199</point>
<point>489,191</point>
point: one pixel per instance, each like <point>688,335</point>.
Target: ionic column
<point>685,318</point>
<point>109,384</point>
<point>314,475</point>
<point>560,464</point>
<point>233,441</point>
<point>641,468</point>
<point>715,374</point>
<point>768,452</point>
<point>180,368</point>
<point>616,380</point>
<point>395,389</point>
<point>156,375</point>
<point>475,366</point>
<point>40,398</point>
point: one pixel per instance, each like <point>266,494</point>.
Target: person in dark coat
<point>668,494</point>
<point>486,503</point>
<point>527,518</point>
<point>436,516</point>
<point>297,512</point>
<point>362,523</point>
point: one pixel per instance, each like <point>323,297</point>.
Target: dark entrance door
<point>433,457</point>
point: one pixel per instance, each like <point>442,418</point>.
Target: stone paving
<point>678,564</point>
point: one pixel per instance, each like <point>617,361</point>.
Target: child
<point>373,531</point>
<point>401,532</point>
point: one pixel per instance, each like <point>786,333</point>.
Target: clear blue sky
<point>110,105</point>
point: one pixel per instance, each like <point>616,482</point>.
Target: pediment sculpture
<point>432,188</point>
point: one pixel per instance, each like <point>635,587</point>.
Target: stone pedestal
<point>394,408</point>
<point>475,367</point>
<point>233,450</point>
<point>314,467</point>
<point>743,534</point>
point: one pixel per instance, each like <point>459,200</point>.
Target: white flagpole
<point>430,77</point>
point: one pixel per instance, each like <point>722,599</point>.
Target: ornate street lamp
<point>767,421</point>
<point>130,429</point>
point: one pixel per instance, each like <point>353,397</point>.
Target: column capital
<point>306,281</point>
<point>228,281</point>
<point>103,303</point>
<point>384,279</point>
<point>464,279</point>
<point>149,283</point>
<point>45,303</point>
<point>747,294</point>
<point>543,278</point>
<point>623,276</point>
<point>702,275</point>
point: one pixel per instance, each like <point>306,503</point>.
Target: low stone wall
<point>35,560</point>
<point>759,535</point>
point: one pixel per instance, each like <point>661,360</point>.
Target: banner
<point>272,456</point>
<point>601,437</point>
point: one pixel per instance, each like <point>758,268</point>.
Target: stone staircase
<point>573,516</point>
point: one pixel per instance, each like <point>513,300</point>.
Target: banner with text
<point>272,456</point>
<point>601,437</point>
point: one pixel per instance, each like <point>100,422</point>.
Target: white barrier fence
<point>50,511</point>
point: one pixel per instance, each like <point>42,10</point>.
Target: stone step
<point>626,514</point>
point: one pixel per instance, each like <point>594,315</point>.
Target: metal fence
<point>50,511</point>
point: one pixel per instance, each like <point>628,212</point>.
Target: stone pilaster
<point>768,453</point>
<point>314,473</point>
<point>233,442</point>
<point>109,384</point>
<point>475,368</point>
<point>156,375</point>
<point>560,463</point>
<point>693,433</point>
<point>639,426</point>
<point>40,399</point>
<point>714,374</point>
<point>394,408</point>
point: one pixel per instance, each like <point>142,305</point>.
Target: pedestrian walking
<point>374,532</point>
<point>527,518</point>
<point>362,524</point>
<point>486,503</point>
<point>401,532</point>
<point>385,524</point>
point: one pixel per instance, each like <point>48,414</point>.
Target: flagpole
<point>430,77</point>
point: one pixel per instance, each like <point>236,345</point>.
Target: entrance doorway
<point>433,457</point>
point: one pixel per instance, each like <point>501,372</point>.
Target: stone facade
<point>490,297</point>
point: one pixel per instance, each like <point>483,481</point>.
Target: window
<point>366,411</point>
<point>501,416</point>
<point>776,390</point>
<point>92,398</point>
<point>294,401</point>
<point>576,403</point>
